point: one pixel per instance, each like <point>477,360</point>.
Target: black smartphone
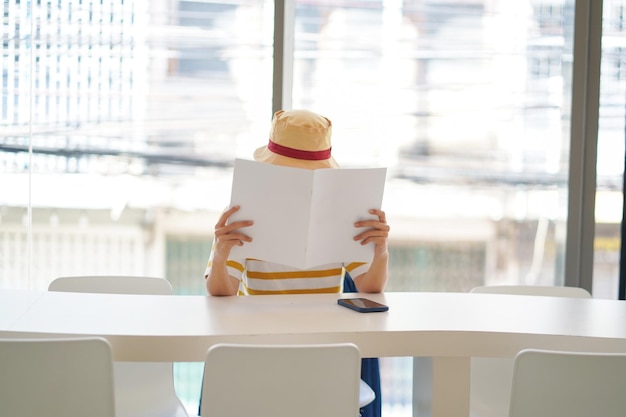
<point>362,305</point>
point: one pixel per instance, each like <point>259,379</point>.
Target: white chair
<point>142,389</point>
<point>65,377</point>
<point>281,380</point>
<point>568,384</point>
<point>366,394</point>
<point>490,386</point>
<point>545,290</point>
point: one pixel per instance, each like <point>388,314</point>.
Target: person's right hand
<point>228,235</point>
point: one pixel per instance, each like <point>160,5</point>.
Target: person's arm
<point>227,235</point>
<point>219,282</point>
<point>376,277</point>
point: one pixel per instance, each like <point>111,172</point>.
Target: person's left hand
<point>377,232</point>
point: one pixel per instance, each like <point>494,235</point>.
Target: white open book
<point>304,218</point>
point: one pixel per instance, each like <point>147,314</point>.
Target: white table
<point>450,327</point>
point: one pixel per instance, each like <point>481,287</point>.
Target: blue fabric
<point>370,368</point>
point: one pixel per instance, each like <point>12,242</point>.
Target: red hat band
<point>298,153</point>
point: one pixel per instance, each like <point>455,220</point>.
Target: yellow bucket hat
<point>299,139</point>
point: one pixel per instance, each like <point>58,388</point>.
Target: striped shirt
<point>258,277</point>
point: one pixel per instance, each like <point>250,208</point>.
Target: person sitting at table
<point>300,139</point>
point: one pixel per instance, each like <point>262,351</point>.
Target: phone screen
<point>363,305</point>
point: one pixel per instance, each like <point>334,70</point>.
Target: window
<point>468,103</point>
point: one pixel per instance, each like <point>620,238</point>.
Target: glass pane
<point>610,163</point>
<point>135,111</point>
<point>467,104</point>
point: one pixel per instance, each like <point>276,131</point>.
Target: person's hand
<point>228,234</point>
<point>377,232</point>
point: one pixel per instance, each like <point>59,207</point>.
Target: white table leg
<point>451,386</point>
<point>441,386</point>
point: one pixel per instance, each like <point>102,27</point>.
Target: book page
<point>304,218</point>
<point>278,200</point>
<point>340,198</point>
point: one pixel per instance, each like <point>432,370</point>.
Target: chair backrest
<point>112,285</point>
<point>65,377</point>
<point>568,384</point>
<point>547,290</point>
<point>142,389</point>
<point>281,381</point>
<point>490,387</point>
